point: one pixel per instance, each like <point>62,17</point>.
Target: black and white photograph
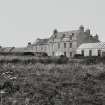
<point>52,52</point>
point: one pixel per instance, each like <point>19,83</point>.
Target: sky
<point>23,21</point>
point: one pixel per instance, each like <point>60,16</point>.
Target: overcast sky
<point>22,21</point>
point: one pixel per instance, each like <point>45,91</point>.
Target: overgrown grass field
<point>52,84</point>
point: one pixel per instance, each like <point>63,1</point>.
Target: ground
<point>52,84</point>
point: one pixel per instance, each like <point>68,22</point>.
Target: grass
<point>52,84</point>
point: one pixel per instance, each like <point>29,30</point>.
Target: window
<point>82,52</point>
<point>70,54</point>
<point>103,54</point>
<point>64,53</point>
<point>58,45</point>
<point>90,52</point>
<point>70,45</point>
<point>64,45</point>
<point>99,52</point>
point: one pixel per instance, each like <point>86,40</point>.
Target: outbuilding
<point>91,49</point>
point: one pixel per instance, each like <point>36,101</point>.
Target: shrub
<point>16,60</point>
<point>78,56</point>
<point>62,60</point>
<point>101,76</point>
<point>28,53</point>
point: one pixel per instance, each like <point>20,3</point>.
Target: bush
<point>16,60</point>
<point>53,84</point>
<point>78,56</point>
<point>28,53</point>
<point>62,60</point>
<point>101,76</point>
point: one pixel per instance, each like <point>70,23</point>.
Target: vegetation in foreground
<point>52,84</point>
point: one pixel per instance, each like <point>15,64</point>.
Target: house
<point>64,43</point>
<point>13,50</point>
<point>40,45</point>
<point>6,50</point>
<point>92,49</point>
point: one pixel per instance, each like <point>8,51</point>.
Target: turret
<point>81,28</point>
<point>29,44</point>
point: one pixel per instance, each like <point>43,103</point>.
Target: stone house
<point>40,45</point>
<point>64,43</point>
<point>91,49</point>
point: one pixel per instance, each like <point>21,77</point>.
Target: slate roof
<point>6,49</point>
<point>21,49</point>
<point>66,33</point>
<point>99,45</point>
<point>41,42</point>
<point>14,49</point>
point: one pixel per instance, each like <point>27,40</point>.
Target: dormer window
<point>71,36</point>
